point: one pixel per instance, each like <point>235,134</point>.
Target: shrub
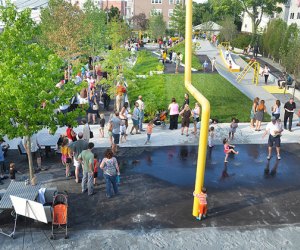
<point>241,41</point>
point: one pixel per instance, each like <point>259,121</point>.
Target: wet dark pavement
<point>157,184</point>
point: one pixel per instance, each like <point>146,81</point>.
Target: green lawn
<point>226,101</point>
<point>146,62</point>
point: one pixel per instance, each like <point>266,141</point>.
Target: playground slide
<point>229,62</point>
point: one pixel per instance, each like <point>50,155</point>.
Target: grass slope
<point>226,101</point>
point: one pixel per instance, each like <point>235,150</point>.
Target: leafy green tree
<point>229,30</point>
<point>291,34</point>
<point>139,22</point>
<point>292,59</point>
<point>157,25</point>
<point>28,75</point>
<point>118,32</point>
<point>95,23</point>
<point>223,8</point>
<point>178,19</point>
<point>62,29</point>
<point>113,14</point>
<point>202,12</point>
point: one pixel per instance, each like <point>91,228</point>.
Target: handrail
<point>202,149</point>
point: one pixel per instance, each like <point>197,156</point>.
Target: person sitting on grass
<point>202,204</point>
<point>228,149</point>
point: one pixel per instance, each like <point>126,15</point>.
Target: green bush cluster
<point>241,41</point>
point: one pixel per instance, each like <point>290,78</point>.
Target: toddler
<point>202,203</point>
<point>123,131</point>
<point>211,137</point>
<point>96,165</point>
<point>102,124</point>
<point>233,127</point>
<point>13,171</point>
<point>228,149</point>
<point>149,131</point>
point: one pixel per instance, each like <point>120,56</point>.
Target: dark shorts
<point>116,138</point>
<point>196,119</point>
<point>185,123</point>
<point>135,122</point>
<point>36,154</point>
<point>273,140</point>
<point>95,174</point>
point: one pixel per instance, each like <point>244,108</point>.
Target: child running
<point>66,157</point>
<point>228,149</point>
<point>96,165</point>
<point>149,131</point>
<point>202,203</point>
<point>233,126</point>
<point>102,124</point>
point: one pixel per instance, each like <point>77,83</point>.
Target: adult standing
<point>178,61</point>
<point>76,148</point>
<point>274,129</point>
<point>111,169</point>
<point>213,64</point>
<point>196,115</point>
<point>186,100</point>
<point>86,158</point>
<point>266,73</point>
<point>253,111</point>
<point>119,96</point>
<point>115,123</point>
<point>261,109</point>
<point>276,109</point>
<point>34,149</point>
<point>174,112</point>
<point>71,133</point>
<point>135,118</point>
<point>124,114</point>
<point>86,130</point>
<point>93,106</point>
<point>289,109</point>
<point>186,115</point>
<point>142,113</point>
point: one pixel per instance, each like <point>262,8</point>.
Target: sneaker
<point>278,157</point>
<point>290,130</point>
<point>198,218</point>
<point>269,157</point>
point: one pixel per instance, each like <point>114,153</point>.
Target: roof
<point>208,26</point>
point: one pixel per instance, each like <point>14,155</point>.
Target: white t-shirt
<point>273,128</point>
<point>34,143</point>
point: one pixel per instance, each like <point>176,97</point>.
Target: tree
<point>157,25</point>
<point>291,34</point>
<point>228,31</point>
<point>62,29</point>
<point>178,19</point>
<point>113,13</point>
<point>95,23</point>
<point>139,21</point>
<point>28,74</point>
<point>202,12</point>
<point>118,32</point>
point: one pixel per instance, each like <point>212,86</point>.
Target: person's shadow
<point>225,173</point>
<point>273,172</point>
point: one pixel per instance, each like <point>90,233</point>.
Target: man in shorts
<point>274,129</point>
<point>115,122</point>
<point>34,149</point>
<point>76,148</point>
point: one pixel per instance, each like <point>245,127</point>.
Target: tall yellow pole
<point>205,105</point>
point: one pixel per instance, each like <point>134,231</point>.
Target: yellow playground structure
<point>253,64</point>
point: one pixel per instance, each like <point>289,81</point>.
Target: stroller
<point>160,118</point>
<point>60,214</point>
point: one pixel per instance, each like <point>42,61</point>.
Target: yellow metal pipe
<point>205,105</point>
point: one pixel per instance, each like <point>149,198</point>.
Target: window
<point>292,16</point>
<point>174,1</point>
<point>156,1</point>
<point>156,12</point>
<point>170,12</point>
<point>298,15</point>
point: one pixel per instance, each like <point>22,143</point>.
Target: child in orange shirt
<point>202,205</point>
<point>149,131</point>
<point>66,157</point>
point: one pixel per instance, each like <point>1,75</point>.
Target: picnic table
<point>19,189</point>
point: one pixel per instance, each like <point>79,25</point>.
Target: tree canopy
<point>157,25</point>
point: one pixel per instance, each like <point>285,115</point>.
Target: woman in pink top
<point>174,112</point>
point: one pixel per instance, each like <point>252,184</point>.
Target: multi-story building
<point>293,12</point>
<point>150,7</point>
